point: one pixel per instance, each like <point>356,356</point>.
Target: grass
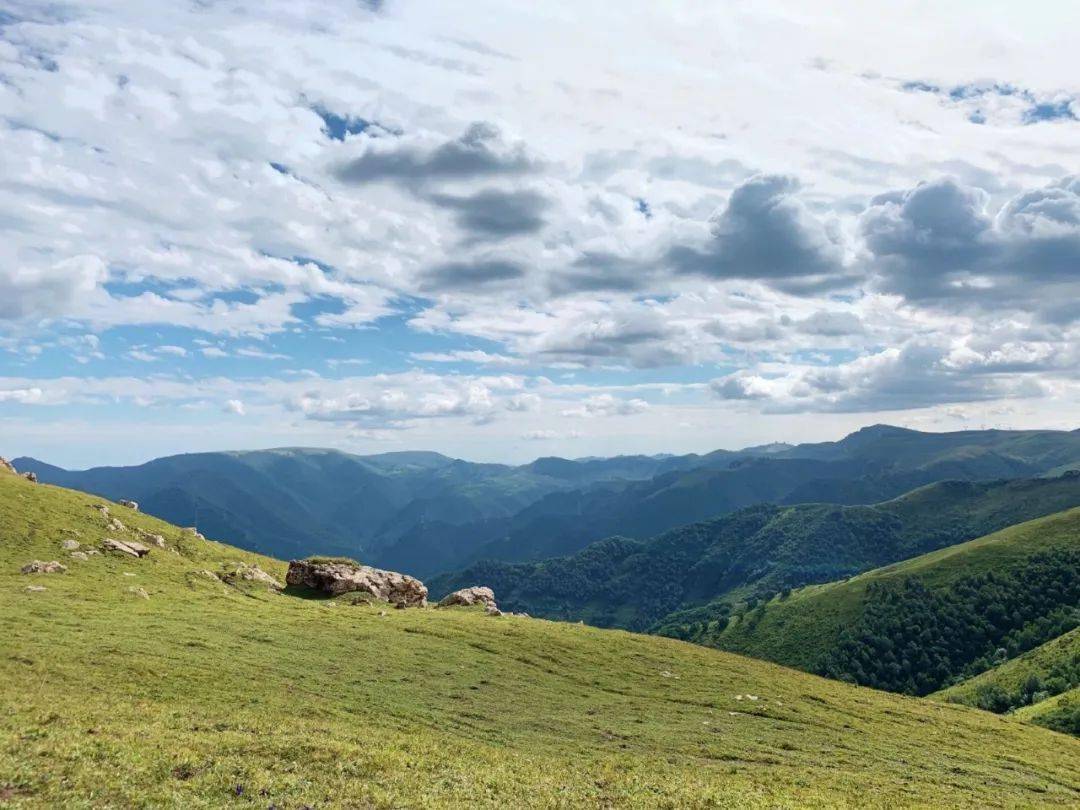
<point>207,695</point>
<point>799,630</point>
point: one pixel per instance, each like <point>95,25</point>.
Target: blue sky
<point>389,226</point>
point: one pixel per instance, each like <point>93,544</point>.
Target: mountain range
<point>425,513</point>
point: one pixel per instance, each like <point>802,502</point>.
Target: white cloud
<point>603,405</point>
<point>235,407</point>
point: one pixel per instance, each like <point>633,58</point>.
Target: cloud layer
<point>344,219</point>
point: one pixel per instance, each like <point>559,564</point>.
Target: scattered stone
<point>336,578</point>
<point>36,588</point>
<point>491,610</point>
<point>80,555</point>
<point>41,567</point>
<point>130,505</point>
<point>139,592</point>
<point>467,597</point>
<point>6,465</point>
<point>193,531</point>
<point>69,545</point>
<point>210,575</point>
<point>381,612</point>
<point>101,508</point>
<point>115,525</point>
<point>92,551</point>
<point>150,537</point>
<point>31,477</point>
<point>250,573</point>
<point>129,547</point>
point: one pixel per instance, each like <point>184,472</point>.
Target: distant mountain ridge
<point>424,512</point>
<point>757,552</point>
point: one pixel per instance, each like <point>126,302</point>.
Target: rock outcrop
<point>467,597</point>
<point>336,577</point>
<point>31,477</point>
<point>130,505</point>
<point>250,573</point>
<point>193,531</point>
<point>42,567</point>
<point>129,547</point>
<point>6,465</point>
<point>150,537</point>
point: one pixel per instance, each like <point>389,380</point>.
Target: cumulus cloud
<point>937,245</point>
<point>920,374</point>
<point>479,152</point>
<point>494,214</point>
<point>382,403</point>
<point>22,396</point>
<point>766,232</point>
<point>29,290</point>
<point>472,275</point>
<point>235,407</point>
<point>603,405</point>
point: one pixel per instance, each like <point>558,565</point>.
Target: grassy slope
<point>203,695</point>
<point>798,630</point>
<point>1012,674</point>
<point>1061,712</point>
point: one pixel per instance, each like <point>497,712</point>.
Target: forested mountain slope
<point>760,551</point>
<point>922,624</point>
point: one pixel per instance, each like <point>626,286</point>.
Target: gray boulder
<point>129,505</point>
<point>31,477</point>
<point>42,567</point>
<point>129,547</point>
<point>5,465</point>
<point>335,577</point>
<point>243,572</point>
<point>467,597</point>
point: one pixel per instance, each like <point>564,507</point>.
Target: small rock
<point>210,575</point>
<point>250,573</point>
<point>491,610</point>
<point>130,505</point>
<point>193,531</point>
<point>467,597</point>
<point>31,477</point>
<point>41,567</point>
<point>381,612</point>
<point>69,544</point>
<point>115,525</point>
<point>139,592</point>
<point>36,588</point>
<point>101,508</point>
<point>129,547</point>
<point>80,555</point>
<point>150,537</point>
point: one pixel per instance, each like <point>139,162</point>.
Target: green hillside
<point>1060,712</point>
<point>147,683</point>
<point>919,625</point>
<point>759,551</point>
<point>1049,670</point>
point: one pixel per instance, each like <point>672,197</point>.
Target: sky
<point>506,230</point>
